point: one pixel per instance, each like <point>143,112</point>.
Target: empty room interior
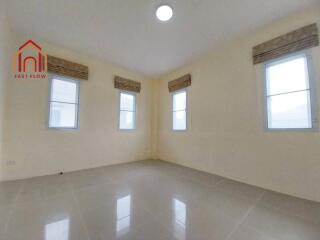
<point>159,120</point>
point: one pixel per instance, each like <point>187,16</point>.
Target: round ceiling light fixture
<point>164,13</point>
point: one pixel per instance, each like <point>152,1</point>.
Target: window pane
<point>63,115</point>
<point>179,120</point>
<point>179,101</point>
<point>127,102</point>
<point>64,91</point>
<point>288,76</point>
<point>290,110</point>
<point>126,120</point>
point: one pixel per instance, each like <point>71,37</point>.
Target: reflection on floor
<point>150,200</point>
<point>57,230</point>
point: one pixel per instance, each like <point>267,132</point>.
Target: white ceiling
<point>127,33</point>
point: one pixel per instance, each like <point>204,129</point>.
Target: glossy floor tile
<point>150,200</point>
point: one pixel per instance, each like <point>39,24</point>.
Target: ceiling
<point>126,32</point>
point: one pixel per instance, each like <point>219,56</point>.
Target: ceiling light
<point>164,13</point>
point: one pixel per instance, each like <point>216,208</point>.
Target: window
<point>64,103</point>
<point>288,93</point>
<point>127,119</point>
<point>179,110</point>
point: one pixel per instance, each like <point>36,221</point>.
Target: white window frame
<point>186,110</point>
<point>312,102</point>
<point>67,79</point>
<point>134,111</point>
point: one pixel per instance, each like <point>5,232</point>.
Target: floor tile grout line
<point>241,221</point>
<point>259,200</point>
<point>82,220</point>
<point>219,182</point>
<point>12,205</point>
<point>204,184</point>
<point>112,181</point>
<point>261,233</point>
<point>286,212</point>
<point>256,203</point>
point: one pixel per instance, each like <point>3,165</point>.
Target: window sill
<point>62,129</point>
<point>315,129</point>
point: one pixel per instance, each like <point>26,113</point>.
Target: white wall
<point>31,149</point>
<point>4,70</point>
<point>226,134</point>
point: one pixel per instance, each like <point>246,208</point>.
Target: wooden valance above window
<point>303,38</point>
<point>180,83</point>
<point>67,68</point>
<point>126,84</point>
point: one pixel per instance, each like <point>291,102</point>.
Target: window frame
<point>67,79</point>
<point>135,110</point>
<point>186,110</point>
<point>314,116</point>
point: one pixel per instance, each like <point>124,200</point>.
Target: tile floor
<point>150,200</point>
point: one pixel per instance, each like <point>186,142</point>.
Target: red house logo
<point>30,61</point>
